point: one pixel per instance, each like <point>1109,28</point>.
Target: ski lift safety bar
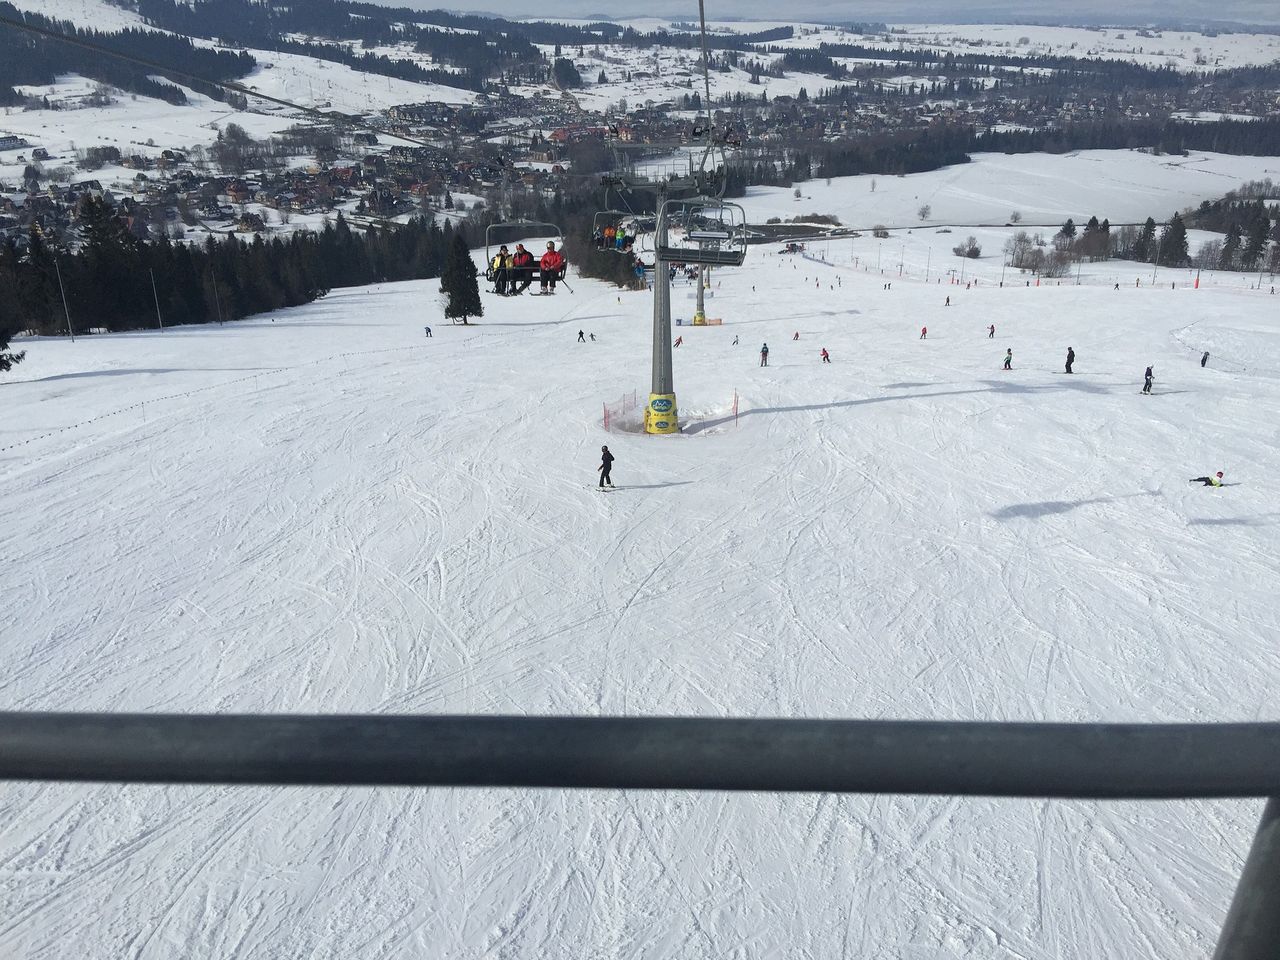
<point>1099,761</point>
<point>1103,761</point>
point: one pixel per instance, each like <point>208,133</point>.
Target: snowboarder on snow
<point>1071,358</point>
<point>1214,481</point>
<point>764,354</point>
<point>606,464</point>
<point>826,357</point>
<point>991,332</point>
<point>1008,359</point>
<point>1147,377</point>
<point>924,333</point>
<point>1203,360</point>
<point>581,338</point>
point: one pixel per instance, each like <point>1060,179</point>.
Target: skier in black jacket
<point>606,464</point>
<point>1071,358</point>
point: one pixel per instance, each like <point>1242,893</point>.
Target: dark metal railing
<point>1098,761</point>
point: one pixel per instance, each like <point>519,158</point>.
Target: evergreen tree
<point>1230,248</point>
<point>1256,243</point>
<point>458,282</point>
<point>10,317</point>
<point>1068,231</point>
<point>1173,243</point>
<point>566,74</point>
<point>1144,246</point>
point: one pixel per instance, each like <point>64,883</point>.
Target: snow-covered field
<point>1122,185</point>
<point>325,511</point>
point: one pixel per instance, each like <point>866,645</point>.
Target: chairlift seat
<point>730,257</point>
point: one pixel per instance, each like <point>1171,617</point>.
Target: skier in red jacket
<point>551,265</point>
<point>521,269</point>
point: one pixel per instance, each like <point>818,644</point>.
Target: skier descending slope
<point>764,354</point>
<point>1147,377</point>
<point>1008,359</point>
<point>1071,357</point>
<point>606,464</point>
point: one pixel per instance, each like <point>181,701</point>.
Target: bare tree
<point>924,212</point>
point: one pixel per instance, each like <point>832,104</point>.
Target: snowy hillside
<point>1121,185</point>
<point>325,511</point>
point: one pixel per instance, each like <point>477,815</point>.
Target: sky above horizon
<point>910,11</point>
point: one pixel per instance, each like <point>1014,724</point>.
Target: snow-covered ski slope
<point>326,511</point>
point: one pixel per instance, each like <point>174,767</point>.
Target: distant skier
<point>826,357</point>
<point>679,340</point>
<point>924,333</point>
<point>796,336</point>
<point>1071,358</point>
<point>1147,377</point>
<point>581,337</point>
<point>1214,481</point>
<point>593,338</point>
<point>606,464</point>
<point>991,332</point>
<point>429,334</point>
<point>735,341</point>
<point>948,303</point>
<point>1008,359</point>
<point>1203,360</point>
<point>764,355</point>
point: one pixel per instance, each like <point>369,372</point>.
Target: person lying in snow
<point>1214,481</point>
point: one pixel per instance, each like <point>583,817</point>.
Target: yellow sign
<point>660,414</point>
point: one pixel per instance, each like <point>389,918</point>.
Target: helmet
<point>1219,473</point>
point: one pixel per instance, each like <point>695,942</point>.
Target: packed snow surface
<point>325,511</point>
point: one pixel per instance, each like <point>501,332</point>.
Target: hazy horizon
<point>1184,12</point>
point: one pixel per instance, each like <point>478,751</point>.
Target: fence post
<point>1252,928</point>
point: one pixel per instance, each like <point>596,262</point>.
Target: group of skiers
<point>614,238</point>
<point>513,272</point>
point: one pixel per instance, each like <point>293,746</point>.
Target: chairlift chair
<point>535,272</point>
<point>556,232</point>
<point>702,231</point>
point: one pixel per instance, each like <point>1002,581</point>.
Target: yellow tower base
<point>660,414</point>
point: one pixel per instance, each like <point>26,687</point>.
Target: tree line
<point>934,147</point>
<point>108,281</point>
<point>28,58</point>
